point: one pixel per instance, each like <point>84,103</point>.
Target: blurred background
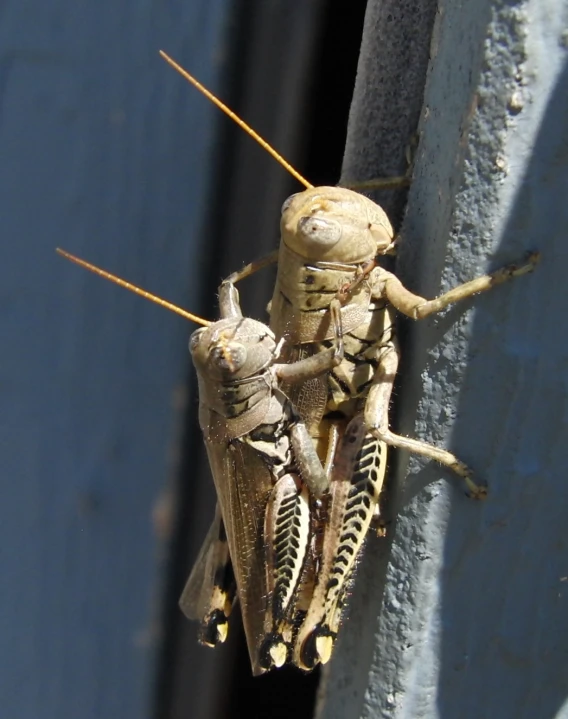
<point>106,494</point>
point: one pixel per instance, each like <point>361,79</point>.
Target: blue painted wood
<point>104,151</point>
<point>463,612</point>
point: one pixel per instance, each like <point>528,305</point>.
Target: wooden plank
<point>462,613</point>
<point>106,152</point>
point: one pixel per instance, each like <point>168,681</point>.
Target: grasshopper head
<point>232,349</point>
<point>333,224</point>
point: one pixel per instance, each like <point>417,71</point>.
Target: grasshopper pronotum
<point>330,240</point>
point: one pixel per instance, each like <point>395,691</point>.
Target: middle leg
<point>377,422</point>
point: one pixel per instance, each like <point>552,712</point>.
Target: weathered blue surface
<point>104,151</point>
<point>468,617</point>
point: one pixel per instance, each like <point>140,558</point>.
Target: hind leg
<point>356,482</point>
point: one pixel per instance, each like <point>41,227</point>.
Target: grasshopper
<point>268,478</point>
<point>331,238</point>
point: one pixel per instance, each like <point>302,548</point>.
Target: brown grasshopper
<point>330,240</point>
<point>267,476</point>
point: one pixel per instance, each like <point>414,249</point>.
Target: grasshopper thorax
<point>232,349</point>
<point>333,224</point>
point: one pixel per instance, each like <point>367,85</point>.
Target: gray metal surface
<point>462,611</point>
<point>105,151</point>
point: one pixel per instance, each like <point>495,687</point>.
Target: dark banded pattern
<point>356,484</point>
<point>345,387</point>
<point>287,531</point>
<point>362,498</point>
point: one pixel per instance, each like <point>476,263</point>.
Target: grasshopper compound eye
<point>288,202</point>
<point>195,339</point>
<point>319,232</point>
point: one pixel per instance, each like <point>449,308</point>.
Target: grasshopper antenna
<point>133,288</point>
<point>241,123</point>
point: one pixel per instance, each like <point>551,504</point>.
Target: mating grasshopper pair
<point>294,547</point>
<point>298,448</point>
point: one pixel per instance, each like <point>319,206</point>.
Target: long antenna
<point>241,123</point>
<point>133,288</point>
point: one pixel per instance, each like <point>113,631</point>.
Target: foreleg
<point>253,267</point>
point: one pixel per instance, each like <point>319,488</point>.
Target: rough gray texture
<point>392,71</point>
<point>463,613</point>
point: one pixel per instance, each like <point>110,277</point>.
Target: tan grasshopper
<point>331,238</point>
<point>268,480</point>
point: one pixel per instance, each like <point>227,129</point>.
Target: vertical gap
<point>331,91</point>
<point>321,133</point>
<point>172,698</point>
<point>288,692</point>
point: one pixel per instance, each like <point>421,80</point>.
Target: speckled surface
<point>462,612</point>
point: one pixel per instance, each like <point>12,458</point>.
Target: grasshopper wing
<point>198,589</point>
<point>209,592</point>
<point>243,485</point>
